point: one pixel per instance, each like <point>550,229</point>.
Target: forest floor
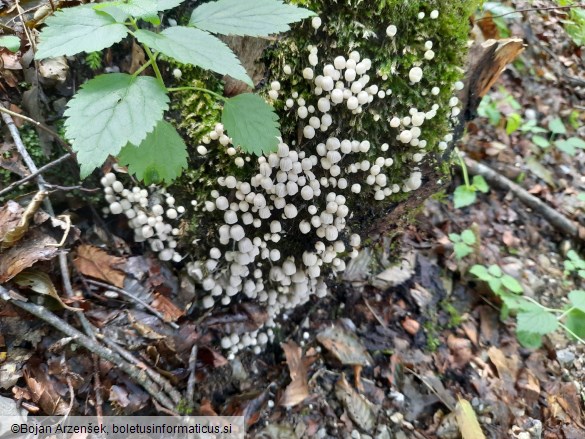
<point>393,349</point>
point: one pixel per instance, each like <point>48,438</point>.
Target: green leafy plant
<point>121,115</point>
<point>463,243</point>
<point>533,320</point>
<point>94,60</point>
<point>574,264</point>
<point>466,194</point>
<point>11,42</point>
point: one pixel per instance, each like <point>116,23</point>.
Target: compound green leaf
<point>454,237</point>
<point>110,111</point>
<point>576,142</point>
<point>159,158</point>
<point>577,298</point>
<point>495,271</point>
<point>11,42</point>
<point>537,321</point>
<point>251,17</point>
<point>566,147</point>
<point>480,184</point>
<point>193,46</point>
<point>512,284</point>
<point>163,5</point>
<point>251,123</point>
<point>464,196</point>
<point>145,9</point>
<point>79,29</point>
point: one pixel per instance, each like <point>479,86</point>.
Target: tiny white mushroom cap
<point>405,136</point>
<point>290,211</point>
<point>309,259</point>
<point>415,74</point>
<point>391,30</point>
<point>352,103</point>
<point>237,232</point>
<point>316,22</point>
<point>434,14</point>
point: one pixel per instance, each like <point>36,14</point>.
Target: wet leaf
<point>345,346</point>
<point>467,421</point>
<point>94,262</point>
<point>298,390</point>
<point>359,409</point>
<point>15,234</point>
<point>40,283</point>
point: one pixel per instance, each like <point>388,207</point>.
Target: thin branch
<point>557,220</point>
<point>133,297</point>
<point>190,395</point>
<point>519,11</point>
<point>39,125</point>
<point>155,376</point>
<point>91,345</point>
<point>37,172</point>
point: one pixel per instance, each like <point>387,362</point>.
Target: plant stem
<point>151,56</point>
<point>463,168</point>
<point>571,333</point>
<point>204,90</point>
<point>142,68</point>
<point>565,313</point>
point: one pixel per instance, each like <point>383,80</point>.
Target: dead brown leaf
<point>360,410</point>
<point>95,262</point>
<point>167,308</point>
<point>40,283</point>
<point>345,346</point>
<point>298,390</point>
<point>42,390</point>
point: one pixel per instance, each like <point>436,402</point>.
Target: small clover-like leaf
<point>454,237</point>
<point>461,250</point>
<point>193,46</point>
<point>540,141</point>
<point>468,237</point>
<point>464,196</point>
<point>11,42</point>
<point>258,18</point>
<point>79,29</point>
<point>481,272</point>
<point>577,298</point>
<point>557,126</point>
<point>537,321</point>
<point>110,111</point>
<point>159,158</point>
<point>480,184</point>
<point>566,147</point>
<point>495,284</point>
<point>495,271</point>
<point>512,284</point>
<point>251,123</point>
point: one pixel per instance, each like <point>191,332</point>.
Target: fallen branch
<point>141,377</point>
<point>558,221</point>
<point>36,173</point>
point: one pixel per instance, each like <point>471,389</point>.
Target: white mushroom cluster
<point>150,214</point>
<point>282,222</point>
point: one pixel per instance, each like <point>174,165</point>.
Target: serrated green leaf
<point>163,5</point>
<point>454,237</point>
<point>251,123</point>
<point>193,46</point>
<point>481,272</point>
<point>577,298</point>
<point>575,321</point>
<point>515,302</point>
<point>258,18</point>
<point>557,126</point>
<point>537,321</point>
<point>529,340</point>
<point>512,284</point>
<point>513,122</point>
<point>540,141</point>
<point>461,250</point>
<point>468,237</point>
<point>163,155</point>
<point>480,184</point>
<point>79,29</point>
<point>145,9</point>
<point>463,196</point>
<point>11,42</point>
<point>573,255</point>
<point>566,147</point>
<point>110,111</point>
